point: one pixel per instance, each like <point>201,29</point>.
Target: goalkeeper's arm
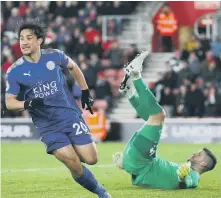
<point>183,171</point>
<point>187,183</point>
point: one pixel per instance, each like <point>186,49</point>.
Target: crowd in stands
<point>191,87</point>
<point>74,27</point>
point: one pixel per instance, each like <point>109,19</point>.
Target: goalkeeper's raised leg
<point>139,156</point>
<point>144,102</point>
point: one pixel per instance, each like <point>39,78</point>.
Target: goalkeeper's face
<point>197,158</point>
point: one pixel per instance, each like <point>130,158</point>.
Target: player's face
<point>29,43</point>
<point>197,157</point>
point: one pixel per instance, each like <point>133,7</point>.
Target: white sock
<point>135,75</point>
<point>131,92</point>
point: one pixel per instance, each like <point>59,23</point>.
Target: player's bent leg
<point>140,97</point>
<point>81,174</point>
<point>88,153</point>
<point>133,162</point>
<point>148,136</point>
<point>143,101</point>
<point>140,109</point>
<point>60,142</point>
<point>157,120</point>
<point>134,100</point>
<point>146,97</point>
<point>81,136</point>
<point>83,143</point>
<point>142,147</point>
<point>68,156</point>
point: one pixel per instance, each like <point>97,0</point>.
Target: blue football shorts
<point>75,132</point>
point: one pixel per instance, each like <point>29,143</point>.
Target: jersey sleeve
<point>12,85</point>
<point>63,59</point>
<point>192,181</point>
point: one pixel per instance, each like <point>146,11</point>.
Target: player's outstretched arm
<point>77,74</point>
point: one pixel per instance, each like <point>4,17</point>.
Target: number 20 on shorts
<point>80,128</point>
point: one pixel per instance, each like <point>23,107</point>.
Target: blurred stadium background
<point>183,69</point>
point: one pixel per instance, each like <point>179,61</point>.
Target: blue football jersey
<point>45,80</point>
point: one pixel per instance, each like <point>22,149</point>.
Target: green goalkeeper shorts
<point>140,151</point>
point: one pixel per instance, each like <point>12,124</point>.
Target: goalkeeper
<point>139,156</point>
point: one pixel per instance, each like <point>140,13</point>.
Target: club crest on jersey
<point>50,65</point>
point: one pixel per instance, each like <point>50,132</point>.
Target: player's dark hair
<point>212,158</point>
<point>37,27</point>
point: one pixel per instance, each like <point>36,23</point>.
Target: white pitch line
<point>51,169</point>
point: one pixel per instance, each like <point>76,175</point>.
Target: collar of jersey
<point>33,62</point>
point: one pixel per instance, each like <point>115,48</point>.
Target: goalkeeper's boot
<point>126,84</point>
<point>136,66</point>
<point>118,159</point>
<point>137,63</point>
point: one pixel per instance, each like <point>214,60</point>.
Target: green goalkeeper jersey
<point>162,174</point>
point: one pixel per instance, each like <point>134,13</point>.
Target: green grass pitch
<point>28,172</point>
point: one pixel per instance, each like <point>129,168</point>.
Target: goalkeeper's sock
<point>135,75</point>
<point>88,181</point>
<point>140,108</point>
<point>131,92</point>
<point>146,97</point>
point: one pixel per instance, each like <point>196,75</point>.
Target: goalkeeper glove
<point>87,99</point>
<point>34,103</point>
<point>183,171</point>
